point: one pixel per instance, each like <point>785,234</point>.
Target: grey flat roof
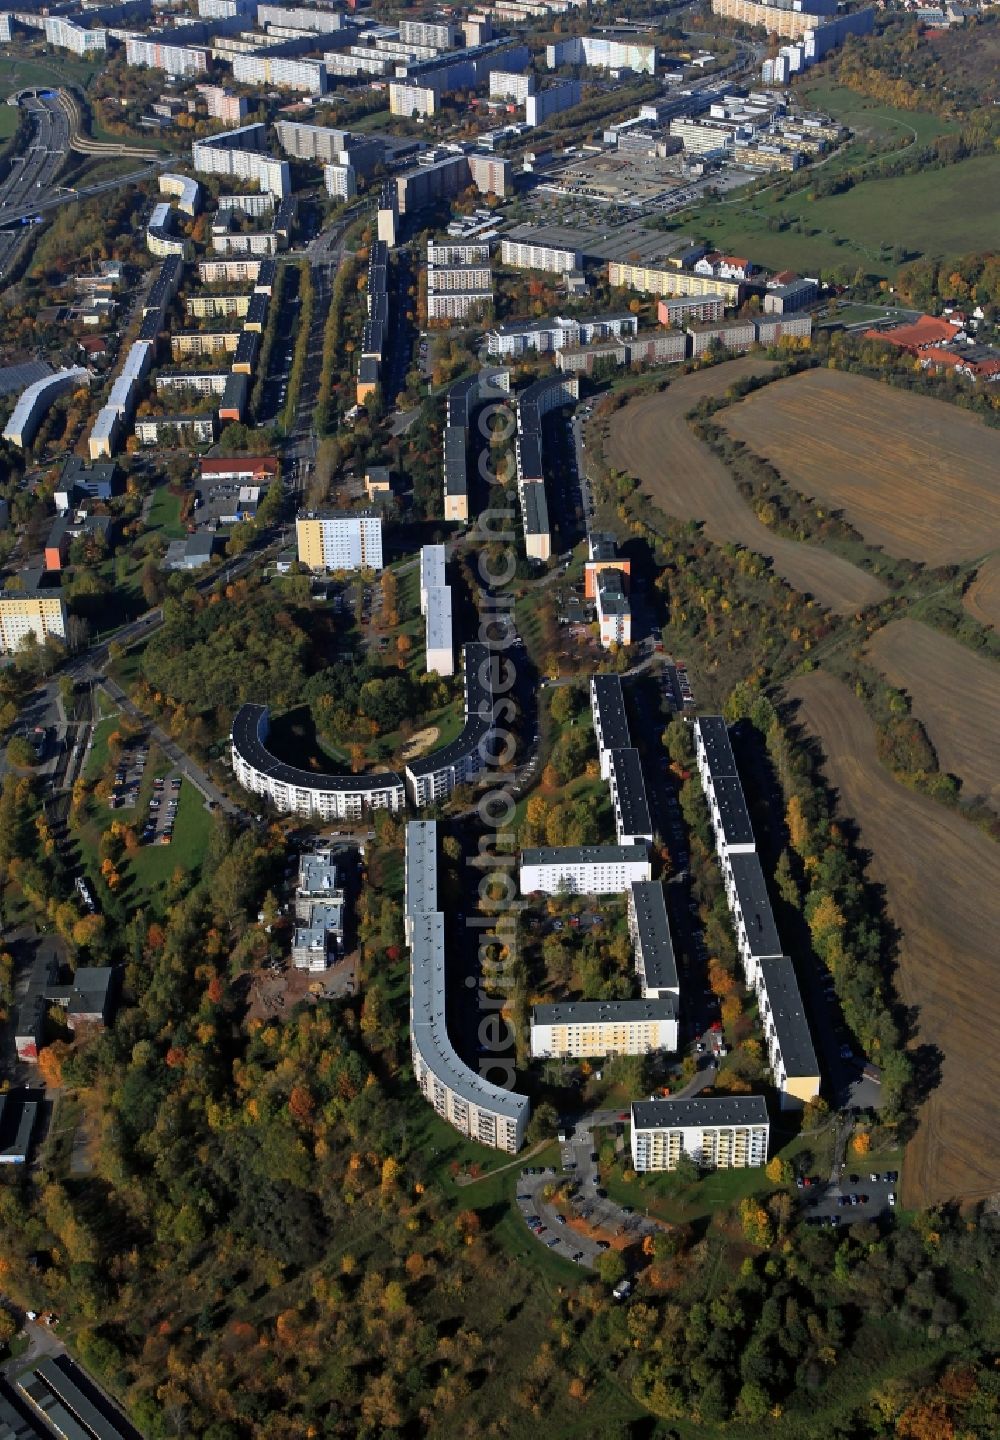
<point>57,1377</point>
<point>608,696</point>
<point>439,629</point>
<point>528,449</point>
<point>235,392</point>
<point>246,346</point>
<point>656,943</point>
<point>718,747</point>
<point>631,788</point>
<point>430,1032</point>
<point>17,1125</point>
<point>733,813</point>
<point>604,1012</point>
<point>622,242</point>
<point>249,732</point>
<point>784,998</point>
<point>420,867</point>
<point>751,890</point>
<point>700,1111</point>
<point>476,661</point>
<point>14,378</point>
<point>535,506</point>
<point>583,854</point>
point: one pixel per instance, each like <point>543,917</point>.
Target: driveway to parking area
<point>579,1164</point>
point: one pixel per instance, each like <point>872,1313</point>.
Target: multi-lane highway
<point>32,173</point>
<point>29,188</point>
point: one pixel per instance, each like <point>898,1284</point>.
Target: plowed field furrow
<point>982,599</point>
<point>651,440</point>
<point>917,476</point>
<point>942,885</point>
<point>955,694</point>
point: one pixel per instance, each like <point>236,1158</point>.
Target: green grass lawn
<point>164,514</point>
<point>8,121</point>
<point>21,74</point>
<point>930,212</point>
<point>147,873</point>
<point>934,212</point>
<point>97,760</point>
<point>679,1203</point>
<point>871,119</point>
<point>155,864</point>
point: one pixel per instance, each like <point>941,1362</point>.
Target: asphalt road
<point>600,1212</point>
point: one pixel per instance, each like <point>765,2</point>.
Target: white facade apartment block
<point>604,54</point>
<point>458,252</point>
<point>720,1133</point>
<point>179,60</point>
<point>457,305</point>
<point>239,153</point>
<point>211,272</point>
<point>68,35</point>
<point>525,256</point>
<point>341,181</point>
<point>223,105</point>
<point>437,34</point>
<point>583,870</point>
<point>35,400</point>
<point>505,85</point>
<point>475,275</point>
<point>22,615</point>
<point>470,1101</point>
<point>349,541</point>
<point>591,1028</point>
<point>408,99</point>
<point>284,72</point>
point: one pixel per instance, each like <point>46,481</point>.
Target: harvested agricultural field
<point>650,439</point>
<point>955,694</point>
<point>917,476</point>
<point>942,890</point>
<point>982,599</point>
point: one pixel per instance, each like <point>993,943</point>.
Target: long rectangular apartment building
<point>649,927</point>
<point>790,1051</point>
<point>633,823</point>
<point>240,153</point>
<point>607,706</point>
<point>23,614</point>
<point>725,1132</point>
<point>525,255</point>
<point>340,540</point>
<point>583,869</point>
<point>669,280</point>
<point>768,971</point>
<point>580,1029</point>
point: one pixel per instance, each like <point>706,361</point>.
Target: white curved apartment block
<point>304,792</point>
<point>474,1105</point>
<point>185,190</point>
<point>159,239</point>
<point>34,402</point>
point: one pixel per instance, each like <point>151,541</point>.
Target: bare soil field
<point>917,476</point>
<point>956,696</point>
<point>651,440</point>
<point>942,889</point>
<point>982,599</point>
<point>419,743</point>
